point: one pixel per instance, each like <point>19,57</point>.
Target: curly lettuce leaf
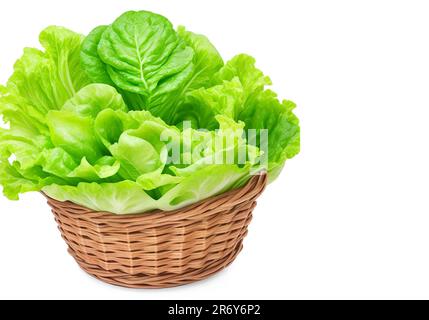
<point>42,81</point>
<point>156,179</point>
<point>202,105</point>
<point>23,118</point>
<point>46,79</point>
<point>243,66</point>
<point>105,167</point>
<point>239,93</point>
<point>265,111</point>
<point>16,180</point>
<point>57,162</point>
<point>24,148</point>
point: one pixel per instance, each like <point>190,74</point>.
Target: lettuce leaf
<point>94,98</point>
<point>91,61</point>
<point>47,79</point>
<point>128,197</point>
<point>75,134</point>
<point>206,59</point>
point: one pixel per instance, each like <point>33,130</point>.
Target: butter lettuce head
<point>137,116</point>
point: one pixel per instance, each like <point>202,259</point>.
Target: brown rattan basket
<point>159,249</point>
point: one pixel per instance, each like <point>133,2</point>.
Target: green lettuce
<point>138,116</point>
<point>151,64</point>
<point>46,79</point>
<point>129,197</point>
<point>239,91</point>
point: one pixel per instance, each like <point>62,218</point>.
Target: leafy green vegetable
<point>104,167</point>
<point>75,134</point>
<point>243,67</point>
<point>48,79</point>
<point>129,197</point>
<point>239,93</point>
<point>92,99</point>
<point>202,105</point>
<point>151,65</point>
<point>142,55</point>
<point>137,116</point>
<point>206,60</point>
<point>94,66</point>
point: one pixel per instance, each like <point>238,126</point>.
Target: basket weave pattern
<point>159,249</point>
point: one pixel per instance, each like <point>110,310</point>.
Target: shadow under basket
<point>159,249</point>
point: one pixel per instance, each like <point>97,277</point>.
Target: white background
<point>348,218</point>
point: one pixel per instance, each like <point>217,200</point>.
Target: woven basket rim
<point>157,212</point>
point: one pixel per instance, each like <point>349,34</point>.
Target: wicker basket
<point>159,249</point>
